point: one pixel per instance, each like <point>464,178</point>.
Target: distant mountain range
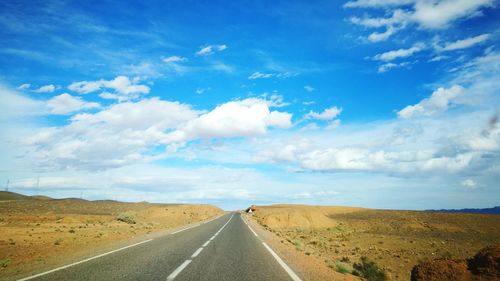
<point>494,210</point>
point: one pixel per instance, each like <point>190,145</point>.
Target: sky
<point>387,104</point>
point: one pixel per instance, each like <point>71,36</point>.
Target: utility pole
<point>7,185</point>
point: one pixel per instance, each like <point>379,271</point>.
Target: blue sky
<point>373,103</point>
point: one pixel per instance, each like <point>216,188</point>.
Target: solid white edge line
<point>178,270</point>
<point>283,264</point>
<point>252,231</point>
<point>82,261</point>
<point>195,254</point>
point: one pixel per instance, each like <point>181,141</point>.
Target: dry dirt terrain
<point>38,232</point>
<point>394,241</point>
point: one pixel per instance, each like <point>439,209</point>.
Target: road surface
<point>222,249</point>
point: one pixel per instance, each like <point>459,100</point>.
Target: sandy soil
<point>38,234</point>
<point>394,240</point>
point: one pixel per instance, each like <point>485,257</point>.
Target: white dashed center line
<point>196,253</point>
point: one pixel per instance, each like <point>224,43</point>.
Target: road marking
<point>82,261</point>
<point>252,231</point>
<point>283,264</point>
<point>178,270</point>
<point>181,230</point>
<point>197,253</point>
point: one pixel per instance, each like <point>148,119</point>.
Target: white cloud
<point>382,36</point>
<point>377,3</point>
<point>260,75</point>
<point>249,117</point>
<point>438,102</point>
<point>468,183</point>
<point>275,100</point>
<point>334,124</point>
<point>174,59</point>
<point>397,21</point>
<point>427,14</point>
<point>45,89</point>
<point>24,86</point>
<point>119,135</point>
<point>440,14</point>
<point>309,89</point>
<point>401,53</point>
<point>390,65</point>
<point>200,91</point>
<point>122,86</point>
<point>465,43</point>
<point>15,105</point>
<point>438,58</point>
<point>174,64</point>
<point>223,67</point>
<point>210,49</point>
<point>327,114</point>
<point>65,104</point>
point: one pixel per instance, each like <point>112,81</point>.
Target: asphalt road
<point>223,249</point>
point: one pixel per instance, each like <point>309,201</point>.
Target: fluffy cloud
<point>244,118</point>
<point>119,135</point>
<point>66,103</point>
<point>327,114</point>
<point>122,85</point>
<point>438,102</point>
<point>401,53</point>
<point>440,14</point>
<point>142,131</point>
<point>45,89</point>
<point>426,14</point>
<point>465,43</point>
<point>210,49</point>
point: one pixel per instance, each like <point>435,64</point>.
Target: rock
<point>484,266</point>
<point>486,263</point>
<point>441,269</point>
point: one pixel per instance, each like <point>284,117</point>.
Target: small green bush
<point>4,262</point>
<point>126,218</point>
<point>369,270</point>
<point>58,241</point>
<point>342,269</point>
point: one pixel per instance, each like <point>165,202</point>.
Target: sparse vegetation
<point>58,241</point>
<point>369,270</point>
<point>4,262</point>
<point>126,218</point>
<point>339,267</point>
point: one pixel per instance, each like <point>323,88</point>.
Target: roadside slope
<point>39,234</point>
<point>394,240</point>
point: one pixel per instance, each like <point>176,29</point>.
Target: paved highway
<point>222,249</point>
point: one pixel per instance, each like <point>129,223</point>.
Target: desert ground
<point>395,241</point>
<point>38,232</point>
